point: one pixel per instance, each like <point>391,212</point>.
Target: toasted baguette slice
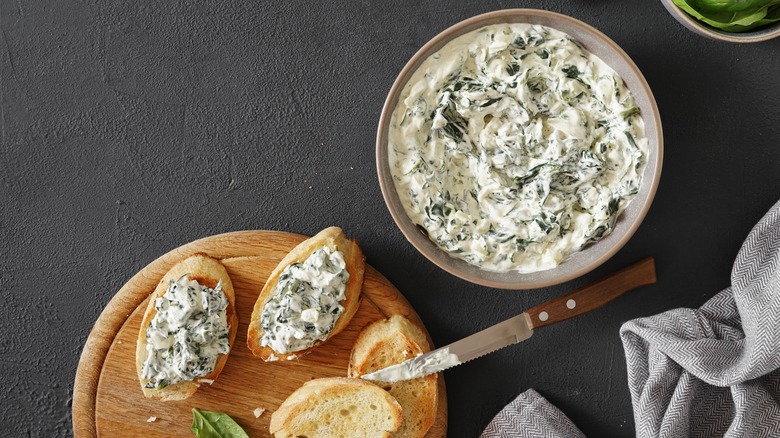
<point>208,272</point>
<point>337,407</point>
<point>388,342</point>
<point>333,238</point>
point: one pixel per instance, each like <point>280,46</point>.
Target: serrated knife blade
<point>521,327</point>
<point>503,334</point>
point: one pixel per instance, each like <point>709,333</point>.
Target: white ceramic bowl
<point>592,256</point>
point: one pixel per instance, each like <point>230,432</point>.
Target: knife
<point>521,327</point>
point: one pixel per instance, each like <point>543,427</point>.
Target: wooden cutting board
<point>108,401</point>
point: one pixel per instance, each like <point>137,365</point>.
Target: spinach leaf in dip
<point>514,147</point>
<point>187,334</point>
<point>305,305</point>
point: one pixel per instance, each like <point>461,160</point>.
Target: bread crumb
<point>209,381</point>
<point>151,419</point>
<point>258,412</point>
<point>119,342</point>
<point>292,357</point>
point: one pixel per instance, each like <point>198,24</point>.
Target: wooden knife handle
<point>594,295</point>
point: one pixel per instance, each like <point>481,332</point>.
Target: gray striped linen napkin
<point>707,372</point>
<point>714,371</point>
<point>531,415</point>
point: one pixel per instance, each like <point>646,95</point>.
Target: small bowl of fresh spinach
<point>737,21</point>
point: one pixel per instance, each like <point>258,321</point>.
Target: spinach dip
<point>186,335</point>
<point>514,147</point>
<point>305,305</point>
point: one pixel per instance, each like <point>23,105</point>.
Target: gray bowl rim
<point>588,258</point>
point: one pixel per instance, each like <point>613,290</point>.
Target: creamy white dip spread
<point>187,334</point>
<point>420,366</point>
<point>513,147</point>
<point>305,305</point>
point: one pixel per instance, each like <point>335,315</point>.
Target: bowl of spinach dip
<point>519,149</point>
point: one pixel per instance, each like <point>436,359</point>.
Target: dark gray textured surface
<point>130,128</point>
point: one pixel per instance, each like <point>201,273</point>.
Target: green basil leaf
<point>733,5</point>
<point>207,424</point>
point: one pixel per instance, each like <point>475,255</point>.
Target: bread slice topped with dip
<point>188,329</point>
<point>388,342</point>
<point>337,407</point>
<point>308,298</point>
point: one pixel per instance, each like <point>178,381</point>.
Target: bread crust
<point>388,342</point>
<point>208,272</point>
<point>333,238</point>
<point>303,401</point>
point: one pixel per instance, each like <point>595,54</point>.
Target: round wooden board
<point>107,398</point>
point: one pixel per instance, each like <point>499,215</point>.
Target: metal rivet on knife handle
<point>594,295</point>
